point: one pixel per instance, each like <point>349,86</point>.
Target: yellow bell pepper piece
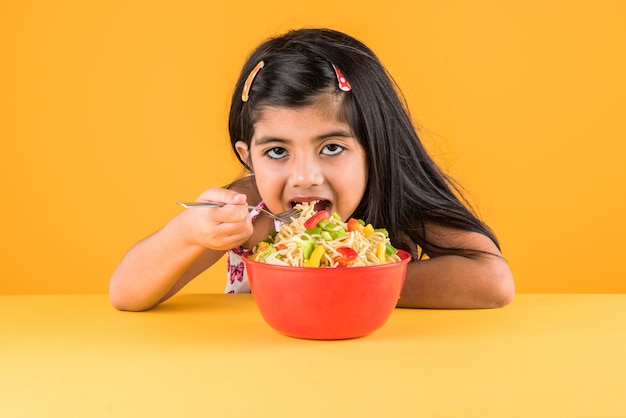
<point>316,256</point>
<point>380,252</point>
<point>368,229</point>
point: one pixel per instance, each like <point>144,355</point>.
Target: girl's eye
<point>276,153</point>
<point>332,149</point>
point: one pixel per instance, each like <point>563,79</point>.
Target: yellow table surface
<point>214,356</point>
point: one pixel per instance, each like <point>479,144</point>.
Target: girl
<point>315,117</point>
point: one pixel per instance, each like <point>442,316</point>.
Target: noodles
<point>321,239</point>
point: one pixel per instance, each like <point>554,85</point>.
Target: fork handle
<point>188,205</point>
<point>199,204</point>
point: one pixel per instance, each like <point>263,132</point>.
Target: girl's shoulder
<point>247,185</point>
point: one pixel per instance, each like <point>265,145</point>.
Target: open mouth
<point>317,204</point>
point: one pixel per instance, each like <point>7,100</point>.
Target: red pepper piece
<point>314,220</point>
<point>348,255</point>
<point>354,225</point>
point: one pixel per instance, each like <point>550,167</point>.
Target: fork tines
<point>287,215</point>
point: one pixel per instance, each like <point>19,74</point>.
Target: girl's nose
<point>306,174</point>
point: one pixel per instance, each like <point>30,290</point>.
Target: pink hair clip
<point>245,93</point>
<point>343,82</point>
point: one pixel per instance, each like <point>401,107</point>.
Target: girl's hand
<point>218,228</point>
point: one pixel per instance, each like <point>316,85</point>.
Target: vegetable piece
<point>337,234</point>
<point>313,231</point>
<point>326,235</point>
<point>368,229</point>
<point>354,225</point>
<point>348,255</point>
<point>330,227</point>
<point>347,252</point>
<point>262,245</point>
<point>382,230</point>
<point>305,242</point>
<point>390,249</point>
<point>316,218</point>
<point>380,252</point>
<point>323,223</point>
<point>267,251</point>
<point>316,256</point>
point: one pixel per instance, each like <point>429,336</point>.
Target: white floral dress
<point>237,277</point>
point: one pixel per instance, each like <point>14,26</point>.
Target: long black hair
<point>406,190</point>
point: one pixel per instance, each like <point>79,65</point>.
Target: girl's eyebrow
<point>269,139</point>
<point>340,134</point>
<point>272,139</point>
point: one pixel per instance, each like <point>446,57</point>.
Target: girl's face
<point>306,154</point>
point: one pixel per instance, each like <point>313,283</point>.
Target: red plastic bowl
<point>326,303</point>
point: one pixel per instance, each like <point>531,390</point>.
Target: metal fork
<point>282,217</point>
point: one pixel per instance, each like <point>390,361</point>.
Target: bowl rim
<point>405,258</point>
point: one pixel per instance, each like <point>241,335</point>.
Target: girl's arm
<point>161,264</point>
<point>480,280</point>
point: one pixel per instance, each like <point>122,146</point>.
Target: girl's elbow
<point>503,287</point>
<point>122,301</point>
<point>122,304</point>
<point>119,301</point>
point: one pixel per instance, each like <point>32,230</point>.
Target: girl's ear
<point>244,153</point>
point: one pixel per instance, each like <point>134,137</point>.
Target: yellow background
<point>112,111</point>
